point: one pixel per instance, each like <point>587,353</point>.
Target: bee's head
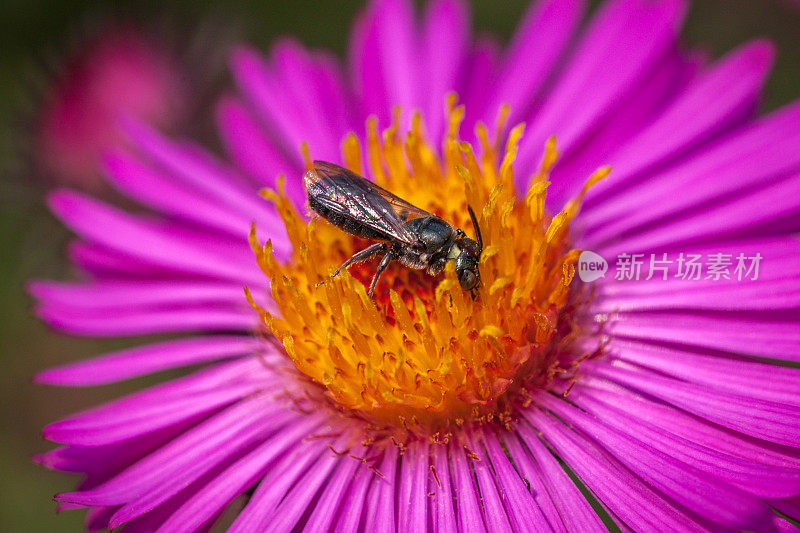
<point>469,277</point>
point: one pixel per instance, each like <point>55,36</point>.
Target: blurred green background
<point>35,35</point>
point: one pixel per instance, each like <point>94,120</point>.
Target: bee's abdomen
<point>346,223</point>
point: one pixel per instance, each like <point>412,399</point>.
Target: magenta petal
<point>255,80</point>
<point>277,483</point>
<point>445,38</point>
<point>523,511</point>
<point>765,481</point>
<point>116,296</point>
<point>482,65</point>
<point>766,334</point>
<point>249,146</point>
<point>621,126</point>
<point>776,286</point>
<point>713,371</point>
<point>146,411</point>
<point>442,505</point>
<point>158,191</point>
<point>625,39</point>
<point>159,477</point>
<point>538,43</point>
<point>494,514</point>
<point>286,516</point>
<point>398,48</point>
<point>103,324</point>
<point>348,519</point>
<point>770,421</point>
<point>711,100</point>
<point>143,360</point>
<point>210,500</point>
<point>691,428</point>
<point>754,156</point>
<point>705,495</point>
<point>297,87</point>
<point>334,495</point>
<point>624,493</point>
<point>413,490</point>
<point>469,516</point>
<point>381,496</point>
<point>557,496</point>
<point>124,233</point>
<point>752,208</point>
<point>194,167</point>
<point>366,69</point>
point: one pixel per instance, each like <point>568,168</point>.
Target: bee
<point>416,238</point>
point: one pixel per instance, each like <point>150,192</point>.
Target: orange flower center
<point>423,357</point>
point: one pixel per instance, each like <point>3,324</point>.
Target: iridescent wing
<point>353,201</point>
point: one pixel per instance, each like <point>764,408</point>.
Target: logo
<point>591,266</point>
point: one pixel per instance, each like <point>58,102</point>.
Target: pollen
<point>424,357</point>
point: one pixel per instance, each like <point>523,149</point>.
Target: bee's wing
<point>347,194</point>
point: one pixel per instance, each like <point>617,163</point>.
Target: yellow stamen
<point>424,356</point>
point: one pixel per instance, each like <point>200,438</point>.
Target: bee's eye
<point>467,279</point>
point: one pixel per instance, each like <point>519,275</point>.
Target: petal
<point>348,519</point>
<point>181,399</point>
<point>714,371</point>
<point>494,514</point>
<point>469,515</point>
<point>124,233</point>
<point>350,472</point>
<point>702,494</point>
<point>194,167</point>
<point>537,44</point>
<point>442,506</point>
<point>770,421</point>
<point>142,294</point>
<point>125,323</point>
<point>157,191</point>
<point>752,157</point>
<point>688,427</point>
<point>522,509</point>
<point>622,492</point>
<point>396,41</point>
<point>624,41</point>
<point>445,37</point>
<point>278,482</point>
<point>143,360</point>
<point>287,515</point>
<point>776,285</point>
<point>761,333</point>
<point>712,101</point>
<point>412,497</point>
<point>381,495</point>
<point>557,496</point>
<point>209,500</point>
<point>249,146</point>
<point>158,478</point>
<point>752,477</point>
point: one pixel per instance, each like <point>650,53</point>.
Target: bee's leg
<point>381,267</point>
<point>363,255</point>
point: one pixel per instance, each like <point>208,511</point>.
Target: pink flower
<point>120,72</point>
<point>653,404</point>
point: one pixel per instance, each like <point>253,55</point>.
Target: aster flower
<point>545,404</point>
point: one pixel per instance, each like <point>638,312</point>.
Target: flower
<point>546,403</point>
<point>120,71</point>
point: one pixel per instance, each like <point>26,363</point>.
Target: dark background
<point>36,34</point>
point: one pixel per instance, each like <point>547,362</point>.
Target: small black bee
<point>416,238</point>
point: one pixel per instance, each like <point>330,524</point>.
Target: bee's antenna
<point>477,228</point>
